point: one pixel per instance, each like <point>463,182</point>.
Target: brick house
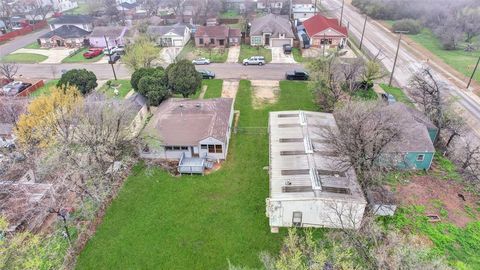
<point>217,36</point>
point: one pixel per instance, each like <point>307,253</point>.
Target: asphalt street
<point>104,71</point>
<point>21,41</point>
<point>379,40</point>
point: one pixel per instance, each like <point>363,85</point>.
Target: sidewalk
<point>233,54</point>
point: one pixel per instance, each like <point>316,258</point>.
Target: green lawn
<point>214,88</point>
<point>460,60</point>
<point>78,57</point>
<point>34,45</point>
<point>297,55</point>
<point>81,9</point>
<point>45,90</point>
<point>397,93</point>
<point>123,90</point>
<point>26,58</point>
<point>247,51</point>
<point>216,55</point>
<point>198,222</point>
<point>229,14</point>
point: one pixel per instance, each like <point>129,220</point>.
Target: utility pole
<point>110,58</point>
<point>396,55</point>
<point>324,41</point>
<point>315,8</point>
<point>341,13</point>
<point>363,31</point>
<point>290,10</point>
<point>473,74</point>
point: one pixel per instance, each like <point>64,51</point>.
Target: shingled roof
<point>73,19</point>
<point>67,31</point>
<point>185,122</point>
<point>160,30</point>
<point>272,23</point>
<point>319,23</point>
<point>108,31</point>
<point>212,31</point>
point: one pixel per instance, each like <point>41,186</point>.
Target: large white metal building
<point>308,186</point>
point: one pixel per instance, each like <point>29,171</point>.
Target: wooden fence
<point>31,89</point>
<point>25,30</point>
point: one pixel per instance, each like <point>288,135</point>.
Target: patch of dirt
<point>440,197</point>
<point>264,92</point>
<point>202,92</point>
<point>229,89</point>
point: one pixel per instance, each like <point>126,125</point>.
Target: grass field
<point>246,51</point>
<point>81,9</point>
<point>34,45</point>
<point>397,93</point>
<point>123,90</point>
<point>229,14</point>
<point>26,58</point>
<point>194,222</point>
<point>462,61</point>
<point>45,90</point>
<point>216,55</point>
<point>78,57</point>
<point>214,88</point>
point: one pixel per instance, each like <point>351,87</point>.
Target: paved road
<point>380,40</point>
<point>21,41</point>
<point>104,71</point>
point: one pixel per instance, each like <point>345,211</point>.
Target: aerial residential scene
<point>240,134</point>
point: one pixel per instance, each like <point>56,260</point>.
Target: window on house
<point>169,148</point>
<point>176,148</point>
<point>218,148</point>
<point>212,41</point>
<point>421,157</point>
<point>297,219</point>
<point>184,147</point>
<point>200,40</point>
<point>204,146</point>
<point>211,148</point>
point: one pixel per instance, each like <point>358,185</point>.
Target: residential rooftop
<point>301,164</point>
<point>67,31</point>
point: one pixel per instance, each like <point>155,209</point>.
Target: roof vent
<point>302,118</point>
<point>308,145</point>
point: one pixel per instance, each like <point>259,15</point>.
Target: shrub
<point>412,26</point>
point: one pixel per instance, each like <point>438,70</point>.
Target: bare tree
<point>8,70</point>
<point>325,82</point>
<point>39,10</point>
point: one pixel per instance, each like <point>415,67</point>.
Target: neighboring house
<point>414,150</point>
<point>308,188</point>
<point>10,111</point>
<point>128,9</point>
<point>211,22</point>
<point>301,13</point>
<point>217,36</point>
<point>325,31</point>
<point>271,30</point>
<point>126,1</point>
<point>115,35</point>
<point>176,35</point>
<point>81,21</point>
<point>62,5</point>
<point>302,4</point>
<point>190,131</point>
<point>68,36</point>
<point>242,6</point>
<point>273,6</point>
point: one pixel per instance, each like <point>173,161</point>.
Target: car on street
<point>201,61</point>
<point>116,49</point>
<point>254,60</point>
<point>388,98</point>
<point>113,58</point>
<point>14,88</point>
<point>287,49</point>
<point>92,52</point>
<point>297,75</point>
<point>206,74</point>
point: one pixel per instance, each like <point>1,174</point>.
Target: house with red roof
<point>322,30</point>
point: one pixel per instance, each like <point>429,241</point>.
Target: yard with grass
<point>82,9</point>
<point>397,93</point>
<point>34,45</point>
<point>123,87</point>
<point>216,55</point>
<point>297,55</point>
<point>198,222</point>
<point>230,14</point>
<point>25,58</point>
<point>462,61</point>
<point>78,57</point>
<point>214,88</point>
<point>247,51</point>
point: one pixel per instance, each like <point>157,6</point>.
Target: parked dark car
<point>113,58</point>
<point>388,98</point>
<point>297,75</point>
<point>206,74</point>
<point>287,49</point>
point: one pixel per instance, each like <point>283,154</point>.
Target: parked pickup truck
<point>254,60</point>
<point>297,75</point>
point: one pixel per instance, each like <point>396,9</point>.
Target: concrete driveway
<point>168,54</point>
<point>55,55</point>
<point>233,54</point>
<point>278,57</point>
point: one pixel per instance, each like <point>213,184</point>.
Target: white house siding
<point>86,27</point>
<point>301,16</point>
<point>318,212</point>
<point>256,40</point>
<point>212,141</point>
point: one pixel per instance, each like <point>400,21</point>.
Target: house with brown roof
<point>325,31</point>
<point>271,30</point>
<point>193,132</point>
<point>217,36</point>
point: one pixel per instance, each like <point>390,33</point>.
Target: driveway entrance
<point>279,57</point>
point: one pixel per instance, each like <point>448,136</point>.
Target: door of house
<point>194,151</point>
<point>221,42</point>
<point>267,40</point>
<point>59,42</point>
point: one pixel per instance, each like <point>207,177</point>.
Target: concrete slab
<point>279,57</point>
<point>233,54</point>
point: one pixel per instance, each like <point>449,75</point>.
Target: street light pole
<point>110,58</point>
<point>396,55</point>
<point>473,73</point>
<point>341,13</point>
<point>363,31</point>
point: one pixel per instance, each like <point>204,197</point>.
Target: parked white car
<point>116,49</point>
<point>201,61</point>
<point>254,60</point>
